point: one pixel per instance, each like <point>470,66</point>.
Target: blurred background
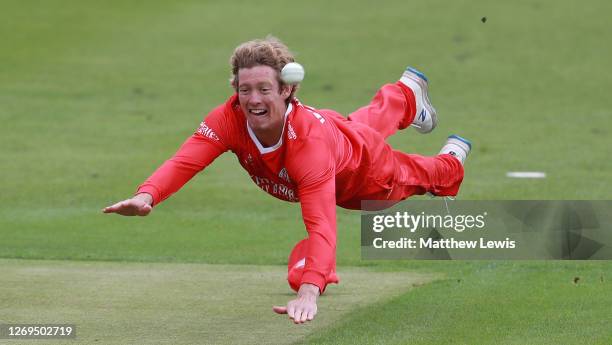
<point>95,95</point>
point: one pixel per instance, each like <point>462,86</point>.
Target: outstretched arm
<point>317,192</point>
<point>193,156</point>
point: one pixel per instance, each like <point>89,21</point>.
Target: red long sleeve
<point>312,166</point>
<point>196,153</point>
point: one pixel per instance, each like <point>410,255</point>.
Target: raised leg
<point>392,108</point>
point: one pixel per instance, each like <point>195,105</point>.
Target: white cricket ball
<point>292,73</point>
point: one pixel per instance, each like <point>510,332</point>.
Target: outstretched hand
<point>139,205</point>
<point>304,307</point>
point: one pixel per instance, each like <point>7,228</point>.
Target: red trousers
<point>401,174</point>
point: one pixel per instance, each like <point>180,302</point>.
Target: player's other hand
<point>304,307</point>
<point>139,205</point>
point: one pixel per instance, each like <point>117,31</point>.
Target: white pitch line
<point>526,174</point>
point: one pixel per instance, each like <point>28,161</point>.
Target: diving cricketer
<point>312,156</point>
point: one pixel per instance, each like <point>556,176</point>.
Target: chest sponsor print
<point>276,189</point>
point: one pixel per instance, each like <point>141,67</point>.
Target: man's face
<point>261,99</point>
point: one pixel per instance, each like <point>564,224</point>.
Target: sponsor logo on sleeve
<point>207,132</point>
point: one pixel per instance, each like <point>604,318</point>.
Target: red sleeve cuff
<point>150,190</point>
<point>315,278</point>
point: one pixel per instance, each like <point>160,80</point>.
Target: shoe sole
<point>423,82</point>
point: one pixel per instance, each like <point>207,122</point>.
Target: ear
<point>286,90</point>
<point>233,82</point>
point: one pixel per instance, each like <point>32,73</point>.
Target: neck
<point>269,138</point>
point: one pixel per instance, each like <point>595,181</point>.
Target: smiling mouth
<point>258,112</point>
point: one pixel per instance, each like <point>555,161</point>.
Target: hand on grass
<point>139,205</point>
<point>303,308</point>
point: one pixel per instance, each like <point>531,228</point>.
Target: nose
<point>255,98</point>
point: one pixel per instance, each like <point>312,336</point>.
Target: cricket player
<point>312,156</point>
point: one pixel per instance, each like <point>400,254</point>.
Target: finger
<point>291,311</point>
<point>279,309</point>
<point>298,316</point>
<point>310,316</point>
<point>304,316</point>
<point>144,210</point>
<point>112,208</point>
<point>121,208</point>
<point>124,208</point>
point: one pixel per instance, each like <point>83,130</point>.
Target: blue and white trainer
<point>425,119</point>
<point>458,147</point>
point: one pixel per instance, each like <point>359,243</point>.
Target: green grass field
<point>95,95</point>
<point>160,303</point>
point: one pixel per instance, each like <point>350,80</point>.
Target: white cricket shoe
<point>458,147</point>
<point>425,119</point>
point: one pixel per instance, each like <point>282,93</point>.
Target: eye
<point>265,90</point>
<point>243,91</point>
